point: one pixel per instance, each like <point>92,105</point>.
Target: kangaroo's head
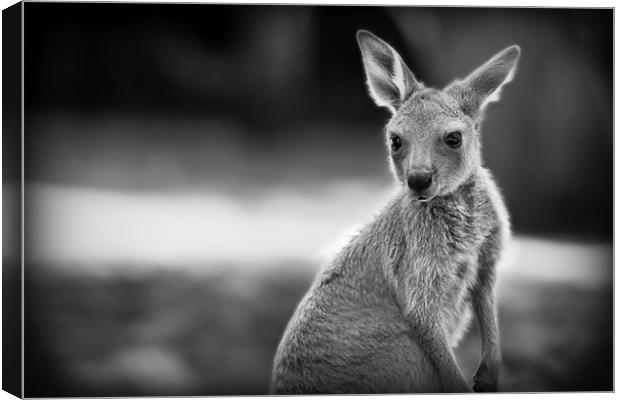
<point>433,136</point>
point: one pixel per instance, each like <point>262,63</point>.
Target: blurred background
<point>190,167</point>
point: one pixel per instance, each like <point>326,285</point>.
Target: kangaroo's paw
<point>484,387</point>
<point>485,379</point>
<point>460,389</point>
<point>457,386</point>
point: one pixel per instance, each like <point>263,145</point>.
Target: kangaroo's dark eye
<point>453,139</point>
<point>395,143</point>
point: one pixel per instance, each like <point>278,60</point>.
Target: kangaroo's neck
<point>444,224</point>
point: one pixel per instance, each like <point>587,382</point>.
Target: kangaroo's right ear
<point>389,80</point>
<point>484,85</point>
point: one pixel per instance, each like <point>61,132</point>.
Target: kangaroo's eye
<point>395,143</point>
<point>453,139</point>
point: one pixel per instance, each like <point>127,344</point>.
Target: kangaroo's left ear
<point>484,85</point>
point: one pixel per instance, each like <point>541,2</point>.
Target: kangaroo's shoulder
<point>492,196</point>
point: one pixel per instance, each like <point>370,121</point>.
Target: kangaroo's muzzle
<point>420,181</point>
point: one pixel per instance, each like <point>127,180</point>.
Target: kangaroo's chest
<point>445,257</point>
<point>446,231</point>
<point>444,249</point>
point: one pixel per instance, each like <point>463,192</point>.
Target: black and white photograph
<point>206,199</point>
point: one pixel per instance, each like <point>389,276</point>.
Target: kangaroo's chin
<point>426,197</point>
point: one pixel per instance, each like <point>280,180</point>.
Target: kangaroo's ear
<point>389,80</point>
<point>483,86</point>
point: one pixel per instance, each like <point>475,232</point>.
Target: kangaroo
<point>384,315</point>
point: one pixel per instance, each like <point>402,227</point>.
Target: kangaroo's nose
<point>420,181</point>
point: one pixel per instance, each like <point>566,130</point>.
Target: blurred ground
<point>170,333</point>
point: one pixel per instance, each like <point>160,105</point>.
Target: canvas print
<point>296,199</point>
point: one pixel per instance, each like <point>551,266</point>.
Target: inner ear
<point>390,82</point>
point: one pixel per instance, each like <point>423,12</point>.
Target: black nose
<point>420,181</point>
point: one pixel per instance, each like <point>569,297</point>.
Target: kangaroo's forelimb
<point>485,309</point>
<point>439,352</point>
<point>423,313</point>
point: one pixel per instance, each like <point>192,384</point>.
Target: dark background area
<point>253,123</point>
<point>11,200</point>
<point>274,70</point>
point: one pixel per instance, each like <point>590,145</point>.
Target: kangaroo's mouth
<point>424,199</point>
<point>425,196</point>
